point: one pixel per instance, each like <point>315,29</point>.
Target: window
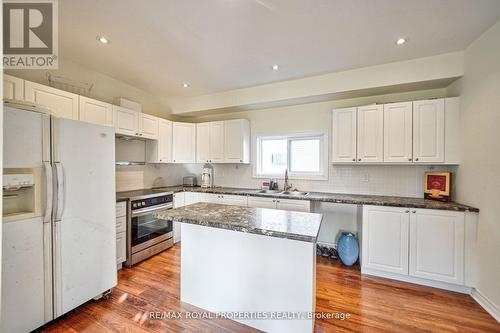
<point>305,156</point>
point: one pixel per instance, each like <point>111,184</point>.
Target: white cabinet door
<point>179,199</point>
<point>385,239</point>
<point>428,131</point>
<point>293,205</point>
<point>183,143</point>
<point>191,198</point>
<point>96,112</point>
<point>178,202</point>
<point>62,103</point>
<point>237,141</point>
<point>126,121</point>
<point>236,200</point>
<point>370,142</point>
<point>344,135</point>
<point>160,151</point>
<point>121,247</point>
<point>216,141</point>
<point>259,202</point>
<point>203,143</point>
<point>164,141</point>
<point>437,245</point>
<point>398,127</point>
<point>13,88</point>
<point>209,197</point>
<point>148,126</point>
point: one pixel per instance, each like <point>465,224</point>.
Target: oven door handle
<point>151,209</point>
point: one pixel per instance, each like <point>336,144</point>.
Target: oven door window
<point>146,227</point>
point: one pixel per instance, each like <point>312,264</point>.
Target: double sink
<point>290,193</point>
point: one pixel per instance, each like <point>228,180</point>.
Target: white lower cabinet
<point>294,205</point>
<point>283,204</point>
<point>235,200</point>
<point>423,244</point>
<point>385,239</point>
<point>225,199</point>
<point>179,200</point>
<point>260,202</point>
<point>437,245</point>
<point>121,233</point>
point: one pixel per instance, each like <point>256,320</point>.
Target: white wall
<point>478,177</point>
<point>105,88</point>
<point>414,73</point>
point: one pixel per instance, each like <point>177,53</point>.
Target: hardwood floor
<point>374,304</point>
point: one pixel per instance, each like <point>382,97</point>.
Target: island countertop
<point>269,222</point>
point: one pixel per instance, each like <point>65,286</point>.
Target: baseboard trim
<point>487,304</point>
<point>429,283</point>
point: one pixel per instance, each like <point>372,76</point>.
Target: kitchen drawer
<point>121,250</point>
<point>121,223</point>
<point>121,209</point>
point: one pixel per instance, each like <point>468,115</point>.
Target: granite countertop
<point>356,199</point>
<point>270,222</point>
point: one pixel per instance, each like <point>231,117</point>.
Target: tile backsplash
<point>404,180</point>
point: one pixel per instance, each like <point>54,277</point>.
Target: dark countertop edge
<point>317,196</point>
<point>270,233</point>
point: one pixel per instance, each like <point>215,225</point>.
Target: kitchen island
<point>253,265</point>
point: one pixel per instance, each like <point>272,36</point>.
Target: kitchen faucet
<point>286,186</point>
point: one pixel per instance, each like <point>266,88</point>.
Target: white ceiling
<point>219,45</point>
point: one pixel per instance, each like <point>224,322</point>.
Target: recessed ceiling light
<point>185,85</point>
<point>276,67</point>
<point>401,41</point>
<point>103,39</point>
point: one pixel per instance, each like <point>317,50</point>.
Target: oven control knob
<point>143,203</point>
<point>134,205</point>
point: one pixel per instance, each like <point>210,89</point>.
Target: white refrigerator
<point>59,229</point>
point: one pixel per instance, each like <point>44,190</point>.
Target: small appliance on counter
<point>207,176</point>
<point>189,181</point>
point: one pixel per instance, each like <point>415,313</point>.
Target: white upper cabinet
<point>13,88</point>
<point>96,112</point>
<point>370,145</point>
<point>203,143</point>
<point>216,141</point>
<point>237,141</point>
<point>183,142</point>
<point>344,135</point>
<point>160,151</point>
<point>398,140</point>
<point>148,126</point>
<point>425,132</point>
<point>126,121</point>
<point>385,239</point>
<point>437,245</point>
<point>62,103</point>
<point>428,131</point>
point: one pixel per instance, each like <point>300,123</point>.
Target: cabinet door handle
<point>407,211</point>
<point>410,159</point>
<point>354,160</point>
<point>359,159</point>
<point>413,211</point>
<point>416,159</point>
<point>241,160</point>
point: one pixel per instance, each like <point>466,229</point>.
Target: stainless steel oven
<point>146,234</point>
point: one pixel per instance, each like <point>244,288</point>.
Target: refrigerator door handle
<point>48,192</point>
<point>60,191</point>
